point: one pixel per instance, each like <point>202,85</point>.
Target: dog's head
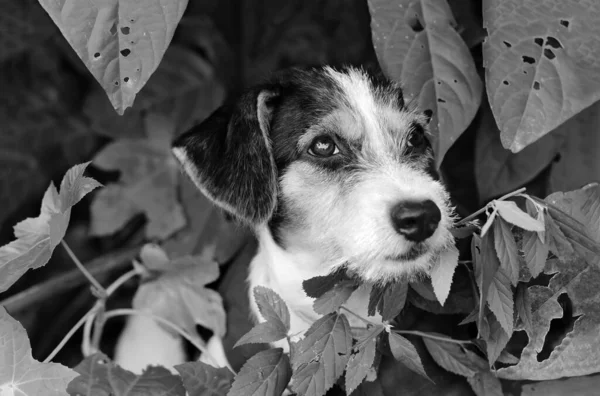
<point>329,161</point>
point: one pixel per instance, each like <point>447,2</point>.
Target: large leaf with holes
<point>573,295</point>
<point>120,41</point>
<point>542,62</point>
<point>418,45</point>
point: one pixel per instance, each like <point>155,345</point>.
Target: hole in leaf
<point>428,113</point>
<point>508,45</point>
<point>524,71</point>
<point>528,59</point>
<point>412,20</point>
<point>125,30</point>
<point>439,83</point>
<point>441,100</point>
<point>97,55</point>
<point>553,42</point>
<point>536,85</point>
<point>539,41</point>
<point>117,83</point>
<point>132,20</point>
<point>559,328</point>
<point>505,82</point>
<point>455,81</point>
<point>518,341</point>
<point>126,79</point>
<point>549,54</point>
<point>125,52</point>
<point>564,22</point>
<point>113,29</point>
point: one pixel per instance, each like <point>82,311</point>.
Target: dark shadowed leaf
<point>535,252</point>
<point>496,339</point>
<point>452,357</point>
<point>405,352</point>
<point>485,383</point>
<point>523,307</point>
<point>486,265</point>
<point>500,300</point>
<point>388,299</point>
<point>442,273</point>
<point>361,363</point>
<point>333,299</point>
<point>265,374</point>
<point>506,249</point>
<point>319,285</point>
<point>201,379</point>
<point>557,241</point>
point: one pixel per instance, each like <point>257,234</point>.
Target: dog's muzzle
<point>416,220</point>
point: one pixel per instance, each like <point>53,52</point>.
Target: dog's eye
<point>323,146</point>
<point>416,139</point>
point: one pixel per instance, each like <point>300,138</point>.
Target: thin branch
<point>431,336</point>
<point>68,336</point>
<point>82,268</point>
<point>179,330</point>
<point>365,321</point>
<point>480,211</point>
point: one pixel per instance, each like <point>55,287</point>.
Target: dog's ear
<point>229,156</point>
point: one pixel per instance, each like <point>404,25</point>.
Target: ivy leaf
<point>333,299</point>
<point>506,249</point>
<point>319,285</point>
<point>276,315</point>
<point>452,357</point>
<point>405,352</point>
<point>511,213</point>
<point>388,299</point>
<point>20,373</point>
<point>523,307</point>
<point>38,237</point>
<point>120,42</point>
<point>99,376</point>
<point>417,43</point>
<point>320,358</point>
<point>485,383</point>
<point>201,379</point>
<point>442,273</point>
<point>265,374</point>
<point>178,294</point>
<point>361,363</point>
<point>500,300</point>
<point>540,58</point>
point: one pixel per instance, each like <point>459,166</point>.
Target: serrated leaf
<point>317,286</point>
<point>541,58</point>
<point>496,339</point>
<point>405,352</point>
<point>451,357</point>
<point>179,296</point>
<point>99,376</point>
<point>320,358</point>
<point>389,299</point>
<point>38,237</point>
<point>265,374</point>
<point>148,183</point>
<point>333,299</point>
<point>442,273</point>
<point>523,307</point>
<point>486,264</point>
<point>485,383</point>
<point>417,43</point>
<point>511,213</point>
<point>120,42</point>
<point>488,223</point>
<point>361,363</point>
<point>557,241</point>
<point>500,300</point>
<point>201,379</point>
<point>506,249</point>
<point>20,373</point>
<point>535,252</point>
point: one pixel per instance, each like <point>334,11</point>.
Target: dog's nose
<point>416,220</point>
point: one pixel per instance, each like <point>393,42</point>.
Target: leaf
<point>486,265</point>
<point>317,286</point>
<point>265,374</point>
<point>405,352</point>
<point>511,213</point>
<point>20,373</point>
<point>276,315</point>
<point>535,252</point>
<point>541,59</point>
<point>361,363</point>
<point>99,376</point>
<point>485,383</point>
<point>523,307</point>
<point>179,296</point>
<point>333,299</point>
<point>320,358</point>
<point>452,357</point>
<point>575,283</point>
<point>389,299</point>
<point>500,300</point>
<point>201,379</point>
<point>148,183</point>
<point>38,237</point>
<point>557,241</point>
<point>565,386</point>
<point>506,249</point>
<point>417,43</point>
<point>442,273</point>
<point>120,42</point>
<point>496,339</point>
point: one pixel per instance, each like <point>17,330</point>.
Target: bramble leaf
<point>389,299</point>
<point>485,383</point>
<point>333,299</point>
<point>201,379</point>
<point>496,339</point>
<point>120,42</point>
<point>523,307</point>
<point>511,213</point>
<point>317,286</point>
<point>535,252</point>
<point>405,352</point>
<point>506,249</point>
<point>442,273</point>
<point>541,65</point>
<point>178,294</point>
<point>486,264</point>
<point>265,374</point>
<point>500,300</point>
<point>20,374</point>
<point>452,357</point>
<point>276,315</point>
<point>320,358</point>
<point>99,376</point>
<point>361,363</point>
<point>38,237</point>
<point>417,43</point>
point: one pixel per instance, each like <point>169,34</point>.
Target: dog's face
<point>331,162</point>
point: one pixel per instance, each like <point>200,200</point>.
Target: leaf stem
<point>431,336</point>
<point>365,321</point>
<point>82,268</point>
<point>172,326</point>
<point>480,211</point>
<point>70,334</point>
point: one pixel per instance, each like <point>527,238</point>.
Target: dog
<point>331,169</point>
